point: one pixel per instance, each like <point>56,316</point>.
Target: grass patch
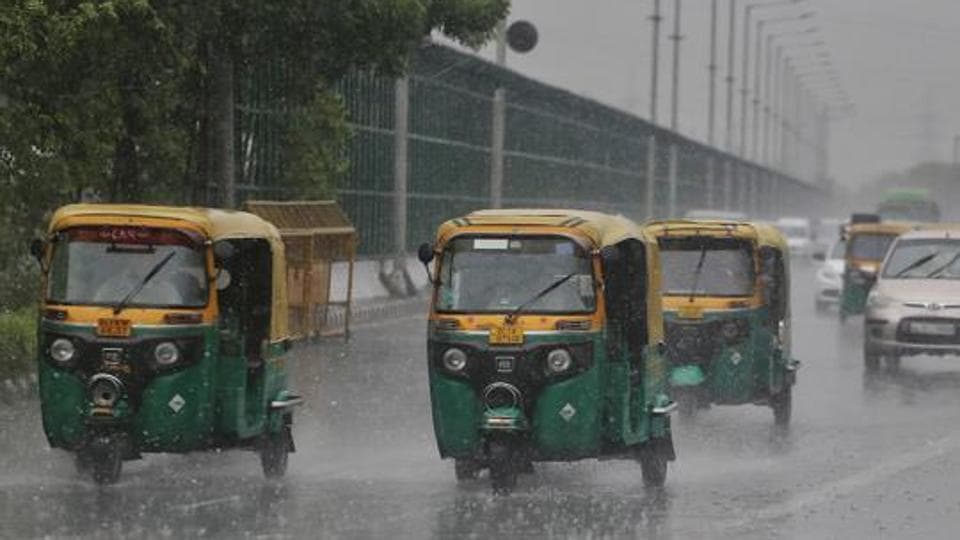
<point>18,342</point>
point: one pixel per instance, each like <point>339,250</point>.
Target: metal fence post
<point>497,135</point>
<point>651,175</point>
<point>672,200</point>
<point>709,181</point>
<point>400,166</point>
<point>727,185</point>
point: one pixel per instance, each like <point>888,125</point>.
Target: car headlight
<point>62,350</point>
<point>166,354</point>
<point>878,300</point>
<point>455,360</point>
<point>558,361</point>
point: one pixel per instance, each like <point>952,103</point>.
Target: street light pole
<point>675,89</point>
<point>712,68</point>
<point>731,42</point>
<point>652,137</point>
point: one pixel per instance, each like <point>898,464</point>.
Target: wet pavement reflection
<point>866,456</point>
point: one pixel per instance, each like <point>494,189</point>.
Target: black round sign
<point>522,36</point>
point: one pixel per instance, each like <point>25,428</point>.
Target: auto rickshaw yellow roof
<point>764,234</point>
<point>216,224</point>
<point>602,229</point>
<point>882,227</point>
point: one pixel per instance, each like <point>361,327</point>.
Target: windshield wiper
<point>516,311</point>
<point>143,282</point>
<point>917,263</point>
<point>944,267</point>
<point>696,273</point>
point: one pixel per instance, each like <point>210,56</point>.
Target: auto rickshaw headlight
<point>105,390</point>
<point>62,350</point>
<point>166,354</point>
<point>558,361</point>
<point>455,360</point>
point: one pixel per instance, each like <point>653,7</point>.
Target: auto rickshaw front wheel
<point>102,458</point>
<point>653,468</point>
<point>503,466</point>
<point>275,452</point>
<point>466,469</point>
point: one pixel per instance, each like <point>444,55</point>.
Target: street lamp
<point>772,87</point>
<point>759,69</point>
<point>745,90</point>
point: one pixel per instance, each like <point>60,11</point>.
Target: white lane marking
<point>210,502</point>
<point>848,485</point>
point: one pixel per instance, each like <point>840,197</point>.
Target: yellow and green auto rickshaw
<point>726,297</point>
<point>545,343</point>
<point>867,245</point>
<point>163,330</point>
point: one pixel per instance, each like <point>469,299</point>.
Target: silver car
<point>914,308</point>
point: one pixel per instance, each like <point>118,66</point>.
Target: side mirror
<point>425,253</point>
<point>819,256</point>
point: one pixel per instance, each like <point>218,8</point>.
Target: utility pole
<point>498,123</point>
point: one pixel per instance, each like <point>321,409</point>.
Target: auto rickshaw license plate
<point>506,335</point>
<point>113,327</point>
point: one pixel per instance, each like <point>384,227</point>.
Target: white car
<point>799,235</point>
<point>828,280</point>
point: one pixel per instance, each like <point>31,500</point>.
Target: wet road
<point>865,458</point>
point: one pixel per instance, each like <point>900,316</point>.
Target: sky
<point>895,58</point>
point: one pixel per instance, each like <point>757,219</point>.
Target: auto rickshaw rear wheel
<point>653,468</point>
<point>466,469</point>
<point>102,457</point>
<point>503,470</point>
<point>782,404</point>
<point>275,452</point>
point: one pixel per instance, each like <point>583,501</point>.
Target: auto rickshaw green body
<point>613,404</point>
<point>860,272</point>
<point>731,349</point>
<point>229,387</point>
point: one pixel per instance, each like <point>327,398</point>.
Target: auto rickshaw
<point>726,298</point>
<point>163,329</point>
<point>545,343</point>
<point>867,245</point>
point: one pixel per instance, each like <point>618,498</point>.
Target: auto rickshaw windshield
<point>704,266</point>
<point>501,274</point>
<point>871,247</point>
<point>100,266</point>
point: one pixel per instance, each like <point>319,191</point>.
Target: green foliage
<point>314,146</point>
<point>18,342</point>
<point>115,97</point>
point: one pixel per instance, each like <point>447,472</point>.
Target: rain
<point>653,269</point>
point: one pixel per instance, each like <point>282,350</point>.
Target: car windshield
<point>871,247</point>
<point>500,274</point>
<point>924,258</point>
<point>725,266</point>
<point>103,265</point>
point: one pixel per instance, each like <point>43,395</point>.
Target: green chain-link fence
<point>559,149</point>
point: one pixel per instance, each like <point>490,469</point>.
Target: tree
<point>134,100</point>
